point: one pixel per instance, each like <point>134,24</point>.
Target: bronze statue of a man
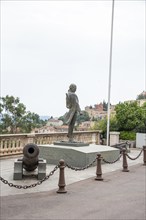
<point>72,103</point>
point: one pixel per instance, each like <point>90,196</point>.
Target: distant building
<point>85,126</point>
<point>50,129</point>
<point>140,102</point>
<point>54,122</point>
<point>98,112</point>
<point>44,129</point>
<point>99,107</point>
<point>53,125</point>
<point>62,128</point>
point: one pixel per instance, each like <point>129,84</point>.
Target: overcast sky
<point>47,45</point>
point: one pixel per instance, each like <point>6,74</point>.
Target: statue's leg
<point>70,131</point>
<point>71,127</point>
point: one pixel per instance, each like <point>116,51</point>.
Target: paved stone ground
<point>7,168</point>
<point>122,195</point>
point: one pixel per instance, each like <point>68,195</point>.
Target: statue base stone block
<point>72,144</point>
<point>77,156</point>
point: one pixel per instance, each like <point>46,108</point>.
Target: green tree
<point>31,121</point>
<point>129,116</point>
<point>102,125</point>
<point>141,96</point>
<point>83,117</point>
<point>11,113</point>
<point>129,119</point>
<point>142,124</point>
<point>14,117</point>
<point>62,118</point>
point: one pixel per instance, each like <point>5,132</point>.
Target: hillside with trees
<point>15,119</point>
<point>129,119</point>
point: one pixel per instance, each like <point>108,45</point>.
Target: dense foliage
<point>129,119</point>
<point>141,96</point>
<point>14,117</point>
<point>101,124</point>
<point>127,135</point>
<point>83,117</point>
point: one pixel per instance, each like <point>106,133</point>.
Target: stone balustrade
<point>12,144</point>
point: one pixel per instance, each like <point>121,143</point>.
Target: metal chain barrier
<point>82,168</point>
<point>31,185</point>
<point>66,165</point>
<point>111,162</point>
<point>135,157</point>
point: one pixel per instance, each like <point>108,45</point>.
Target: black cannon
<point>30,161</point>
<point>122,145</point>
<point>30,157</point>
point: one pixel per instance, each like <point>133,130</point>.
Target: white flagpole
<point>110,70</point>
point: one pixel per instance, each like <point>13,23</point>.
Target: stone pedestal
<point>140,140</point>
<point>41,169</point>
<point>18,169</point>
<point>114,137</point>
<point>77,156</point>
<point>71,144</point>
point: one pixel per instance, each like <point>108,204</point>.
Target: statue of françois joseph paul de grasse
<point>72,103</point>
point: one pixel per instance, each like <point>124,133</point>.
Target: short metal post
<point>144,155</point>
<point>98,169</point>
<point>61,182</point>
<point>125,165</point>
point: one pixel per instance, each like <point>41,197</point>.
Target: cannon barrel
<point>30,157</point>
